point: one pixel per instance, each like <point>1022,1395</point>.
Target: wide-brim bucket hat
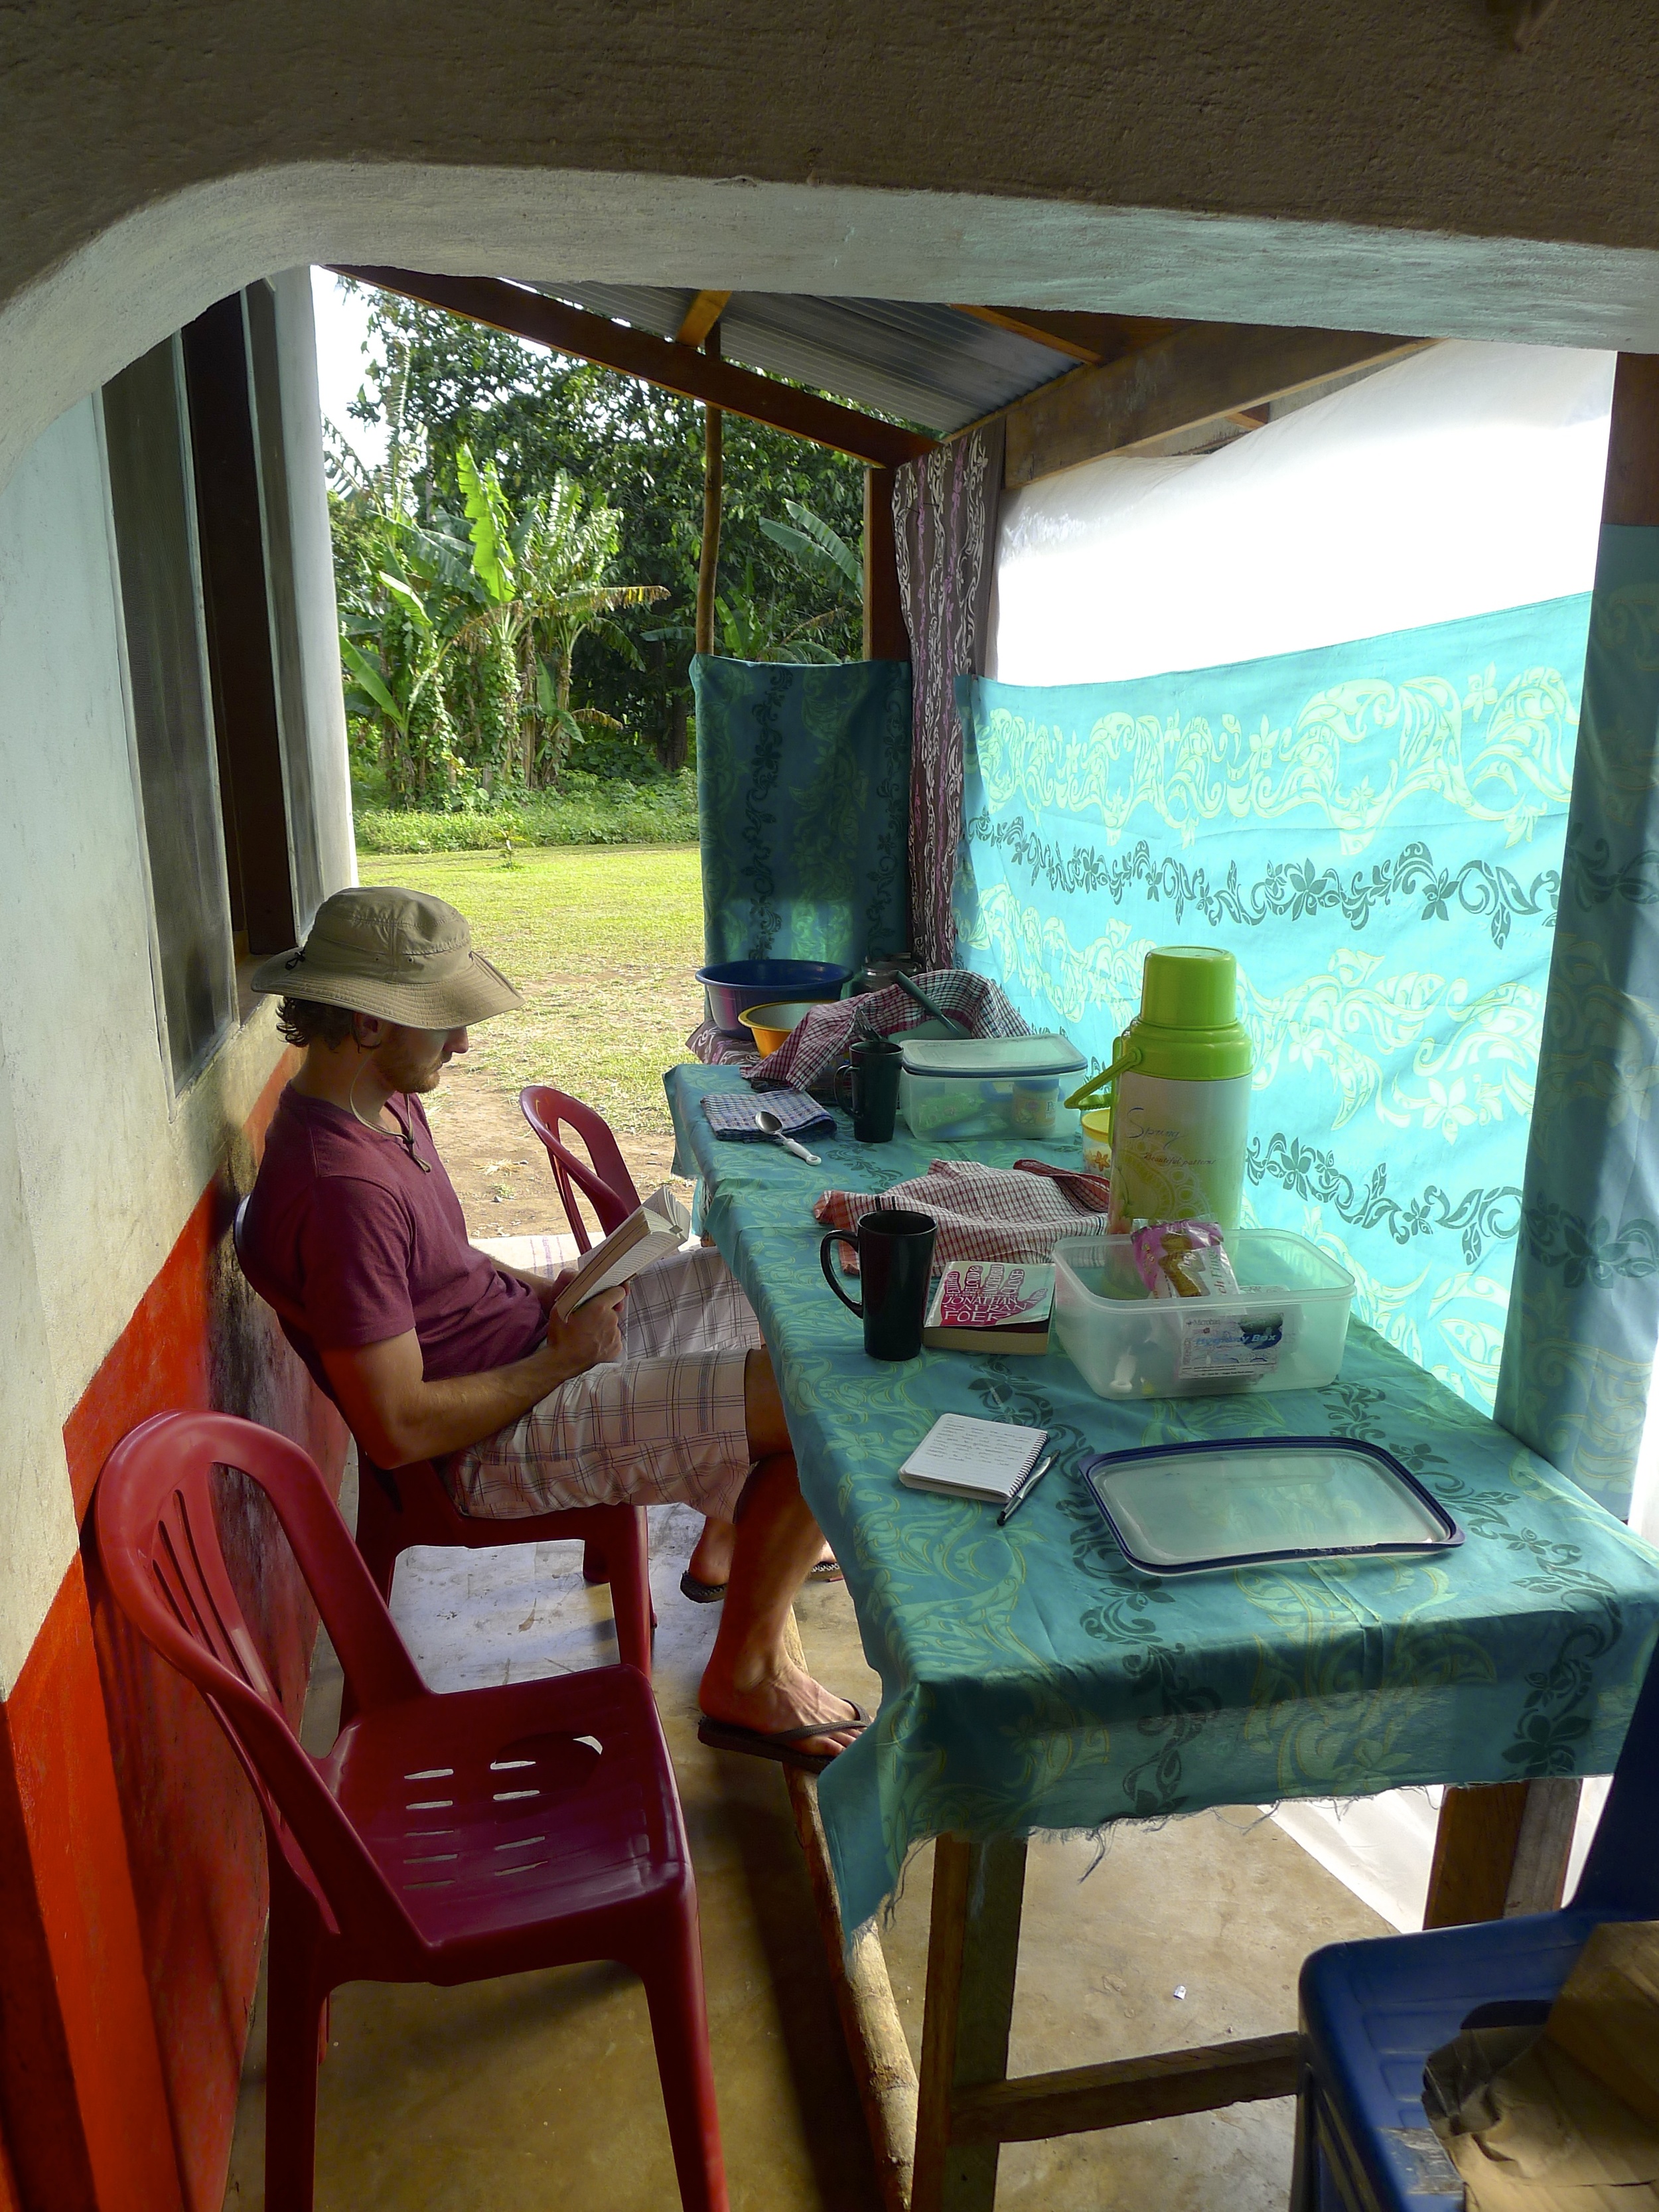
<point>404,956</point>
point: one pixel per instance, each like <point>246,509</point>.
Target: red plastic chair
<point>401,1506</point>
<point>605,1183</point>
<point>443,1839</point>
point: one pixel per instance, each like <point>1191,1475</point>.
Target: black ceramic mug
<point>871,1069</point>
<point>896,1256</point>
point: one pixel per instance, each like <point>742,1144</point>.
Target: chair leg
<point>1304,2186</point>
<point>295,2008</point>
<point>679,2028</point>
<point>631,1591</point>
<point>594,1569</point>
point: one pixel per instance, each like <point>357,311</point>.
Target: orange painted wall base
<point>132,1875</point>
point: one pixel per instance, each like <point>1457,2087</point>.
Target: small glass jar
<point>1032,1109</point>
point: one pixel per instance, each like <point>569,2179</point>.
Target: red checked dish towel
<point>1019,1213</point>
<point>809,1055</point>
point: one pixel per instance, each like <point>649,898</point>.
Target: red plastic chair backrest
<point>606,1184</point>
<point>159,1546</point>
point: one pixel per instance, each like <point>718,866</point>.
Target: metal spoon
<point>772,1127</point>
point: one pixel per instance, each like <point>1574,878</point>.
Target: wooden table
<point>936,2137</point>
<point>1501,1848</point>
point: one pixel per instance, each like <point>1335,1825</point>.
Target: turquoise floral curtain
<point>1586,1311</point>
<point>803,800</point>
<point>1375,831</point>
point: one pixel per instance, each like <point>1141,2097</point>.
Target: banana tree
<point>544,579</point>
<point>394,643</point>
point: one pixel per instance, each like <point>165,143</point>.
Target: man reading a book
<point>650,1394</point>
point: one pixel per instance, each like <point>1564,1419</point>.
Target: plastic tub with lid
<point>1286,1329</point>
<point>951,1088</point>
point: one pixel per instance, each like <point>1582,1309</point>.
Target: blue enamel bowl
<point>733,985</point>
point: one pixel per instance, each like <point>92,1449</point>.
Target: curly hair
<point>308,1021</point>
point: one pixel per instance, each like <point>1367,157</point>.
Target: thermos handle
<point>846,1069</point>
<point>839,1236</point>
<point>1090,1093</point>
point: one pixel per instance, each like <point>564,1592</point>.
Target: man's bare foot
<point>711,1562</point>
<point>786,1698</point>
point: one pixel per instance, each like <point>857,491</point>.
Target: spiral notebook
<point>961,1457</point>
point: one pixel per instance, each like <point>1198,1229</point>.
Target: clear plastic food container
<point>1285,1331</point>
<point>959,1087</point>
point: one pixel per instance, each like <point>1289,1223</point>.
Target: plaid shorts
<point>664,1424</point>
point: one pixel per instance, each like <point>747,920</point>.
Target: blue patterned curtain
<point>1375,831</point>
<point>1586,1310</point>
<point>803,800</point>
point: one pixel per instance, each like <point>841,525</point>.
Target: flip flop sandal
<point>780,1744</point>
<point>701,1593</point>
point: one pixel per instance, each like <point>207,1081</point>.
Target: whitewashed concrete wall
<point>100,1167</point>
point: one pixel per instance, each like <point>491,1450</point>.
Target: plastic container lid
<point>1176,1509</point>
<point>1048,1054</point>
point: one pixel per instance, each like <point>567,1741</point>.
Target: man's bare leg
<point>711,1561</point>
<point>751,1680</point>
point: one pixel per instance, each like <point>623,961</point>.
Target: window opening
<point>174,750</point>
<point>267,389</point>
<point>236,604</point>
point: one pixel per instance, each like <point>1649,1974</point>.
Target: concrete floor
<point>541,2090</point>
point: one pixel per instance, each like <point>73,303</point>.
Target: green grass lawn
<point>602,940</point>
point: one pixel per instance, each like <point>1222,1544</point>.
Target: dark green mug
<point>872,1067</point>
<point>895,1260</point>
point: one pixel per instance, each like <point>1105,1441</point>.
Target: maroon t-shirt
<point>362,1237</point>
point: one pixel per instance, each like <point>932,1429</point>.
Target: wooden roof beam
<point>1203,373</point>
<point>674,368</point>
<point>1089,338</point>
<point>701,317</point>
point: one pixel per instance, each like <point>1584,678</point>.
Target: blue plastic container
<point>732,986</point>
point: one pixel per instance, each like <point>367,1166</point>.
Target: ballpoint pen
<point>1023,1488</point>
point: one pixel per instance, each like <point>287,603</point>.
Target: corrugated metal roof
<point>926,364</point>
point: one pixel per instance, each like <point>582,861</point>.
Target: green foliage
<point>496,446</point>
<point>587,810</point>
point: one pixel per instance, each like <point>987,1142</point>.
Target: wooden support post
<point>1474,1847</point>
<point>869,2018</point>
<point>714,470</point>
<point>1501,1850</point>
<point>1543,1845</point>
<point>972,1954</point>
<point>885,637</point>
<point>1631,493</point>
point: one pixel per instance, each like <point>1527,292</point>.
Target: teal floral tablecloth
<point>1030,1680</point>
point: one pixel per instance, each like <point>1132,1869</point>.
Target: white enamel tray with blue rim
<point>1239,1502</point>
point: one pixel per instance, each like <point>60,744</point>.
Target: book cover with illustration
<point>991,1306</point>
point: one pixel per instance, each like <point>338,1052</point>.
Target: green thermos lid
<point>1189,987</point>
<point>1188,1026</point>
<point>1187,1030</point>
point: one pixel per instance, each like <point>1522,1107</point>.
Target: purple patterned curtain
<point>944,519</point>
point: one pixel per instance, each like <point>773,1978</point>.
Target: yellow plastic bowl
<point>772,1025</point>
<point>1097,1140</point>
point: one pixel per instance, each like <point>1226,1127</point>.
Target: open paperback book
<point>657,1226</point>
<point>968,1458</point>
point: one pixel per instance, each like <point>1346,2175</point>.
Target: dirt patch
<point>499,1170</point>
